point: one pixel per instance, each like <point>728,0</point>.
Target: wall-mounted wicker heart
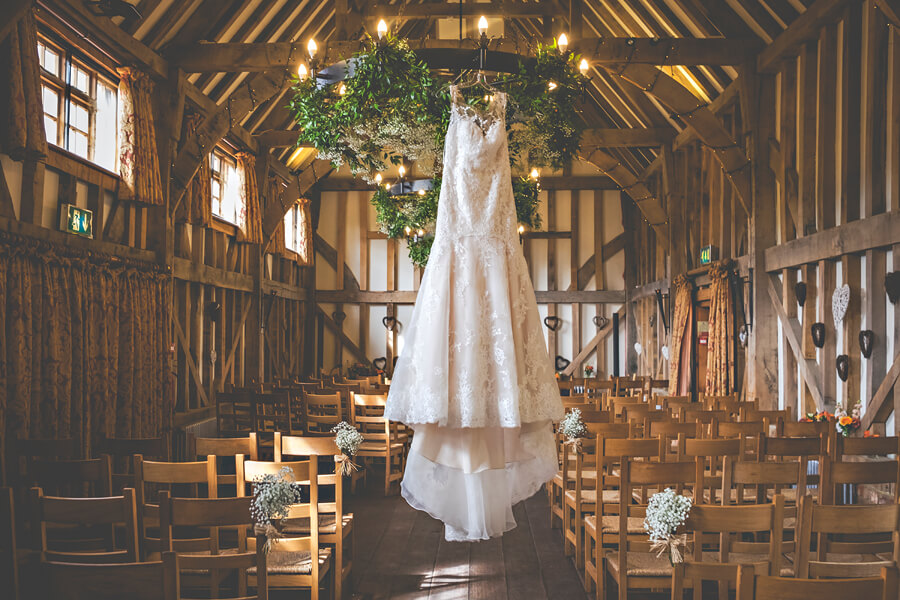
<point>818,334</point>
<point>800,292</point>
<point>380,363</point>
<point>562,363</point>
<point>843,366</point>
<point>552,322</point>
<point>892,286</point>
<point>840,300</point>
<point>601,321</point>
<point>215,311</point>
<point>867,342</point>
<point>338,316</point>
<point>389,323</point>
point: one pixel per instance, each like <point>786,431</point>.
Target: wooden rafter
<point>805,28</point>
<point>879,408</point>
<point>10,13</point>
<point>626,137</point>
<point>298,187</point>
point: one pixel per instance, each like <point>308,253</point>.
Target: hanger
<point>478,81</point>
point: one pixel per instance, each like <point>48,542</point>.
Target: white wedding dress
<point>475,380</point>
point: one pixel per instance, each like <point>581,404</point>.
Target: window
<point>297,230</point>
<point>225,187</point>
<point>80,105</point>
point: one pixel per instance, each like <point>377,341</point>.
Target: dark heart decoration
<point>215,311</point>
<point>800,292</point>
<point>562,363</point>
<point>818,334</point>
<point>601,321</point>
<point>389,323</point>
<point>866,342</point>
<point>380,363</point>
<point>338,316</point>
<point>552,323</point>
<point>892,286</point>
<point>843,366</point>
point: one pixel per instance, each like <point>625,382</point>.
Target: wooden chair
<point>20,453</point>
<point>121,452</point>
<point>296,561</point>
<point>168,474</point>
<point>696,413</point>
<point>765,587</point>
<point>713,459</point>
<point>564,478</point>
<point>210,561</point>
<point>722,540</point>
<point>9,557</point>
<point>850,541</point>
<point>73,478</point>
<point>856,473</point>
<point>631,565</point>
<point>273,412</point>
<point>800,449</point>
<point>746,431</point>
<point>224,450</point>
<point>136,581</point>
<point>774,419</point>
<point>673,435</point>
<point>321,412</point>
<point>382,438</point>
<point>335,526</point>
<point>88,528</point>
<point>234,413</point>
<point>600,506</point>
<point>673,403</point>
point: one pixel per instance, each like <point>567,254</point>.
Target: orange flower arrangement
<point>845,421</point>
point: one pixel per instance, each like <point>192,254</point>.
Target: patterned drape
<point>274,191</point>
<point>680,346</point>
<point>83,344</point>
<point>196,207</point>
<point>23,133</point>
<point>304,233</point>
<point>250,225</point>
<point>138,160</point>
<point>720,350</point>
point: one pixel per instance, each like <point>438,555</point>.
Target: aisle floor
<point>401,553</point>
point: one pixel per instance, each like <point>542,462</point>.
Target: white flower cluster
<point>572,426</point>
<point>666,512</point>
<point>347,438</point>
<point>273,496</point>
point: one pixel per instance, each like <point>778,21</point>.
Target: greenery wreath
<point>391,108</point>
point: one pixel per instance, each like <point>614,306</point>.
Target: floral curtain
<point>720,350</point>
<point>274,191</point>
<point>196,207</point>
<point>304,233</point>
<point>680,346</point>
<point>23,133</point>
<point>138,160</point>
<point>83,344</point>
<point>250,225</point>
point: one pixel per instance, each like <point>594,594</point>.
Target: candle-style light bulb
<point>312,48</point>
<point>551,85</point>
<point>421,233</point>
<point>562,42</point>
<point>402,170</point>
<point>382,29</point>
<point>407,230</point>
<point>342,90</point>
<point>378,178</point>
<point>482,25</point>
<point>421,192</point>
<point>583,66</point>
<point>535,173</point>
<point>302,72</point>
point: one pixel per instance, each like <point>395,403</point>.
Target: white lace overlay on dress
<point>475,363</point>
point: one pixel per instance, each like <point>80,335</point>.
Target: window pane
<point>50,127</point>
<point>78,143</point>
<point>289,229</point>
<point>105,143</point>
<point>81,79</point>
<point>80,118</point>
<point>48,58</point>
<point>51,101</point>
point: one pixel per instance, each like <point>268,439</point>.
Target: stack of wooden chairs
<point>128,518</point>
<point>777,503</point>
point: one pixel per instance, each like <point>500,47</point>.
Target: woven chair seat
<point>641,564</point>
<point>590,496</point>
<point>327,524</point>
<point>292,563</point>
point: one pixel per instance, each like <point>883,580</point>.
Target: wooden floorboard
<point>401,554</point>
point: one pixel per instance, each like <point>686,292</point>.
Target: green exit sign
<point>79,221</point>
<point>708,254</point>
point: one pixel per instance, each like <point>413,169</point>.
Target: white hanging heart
<point>742,336</point>
<point>638,348</point>
<point>665,352</point>
<point>840,300</point>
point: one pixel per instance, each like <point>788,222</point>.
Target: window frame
<point>226,156</point>
<point>69,58</point>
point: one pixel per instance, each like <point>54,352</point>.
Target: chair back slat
<point>135,581</point>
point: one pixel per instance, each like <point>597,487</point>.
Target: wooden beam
<point>278,138</point>
<point>880,231</point>
<point>331,257</point>
<point>188,270</point>
<point>409,297</point>
<point>589,268</point>
<point>626,138</point>
<point>805,28</point>
<point>298,188</point>
<point>551,182</point>
<point>10,13</point>
<point>250,57</point>
<point>792,333</point>
<point>889,8</point>
<point>590,347</point>
<point>649,289</point>
<point>879,408</point>
<point>501,8</point>
<point>346,341</point>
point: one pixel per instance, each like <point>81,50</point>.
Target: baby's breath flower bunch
<point>273,496</point>
<point>572,425</point>
<point>348,441</point>
<point>666,512</point>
